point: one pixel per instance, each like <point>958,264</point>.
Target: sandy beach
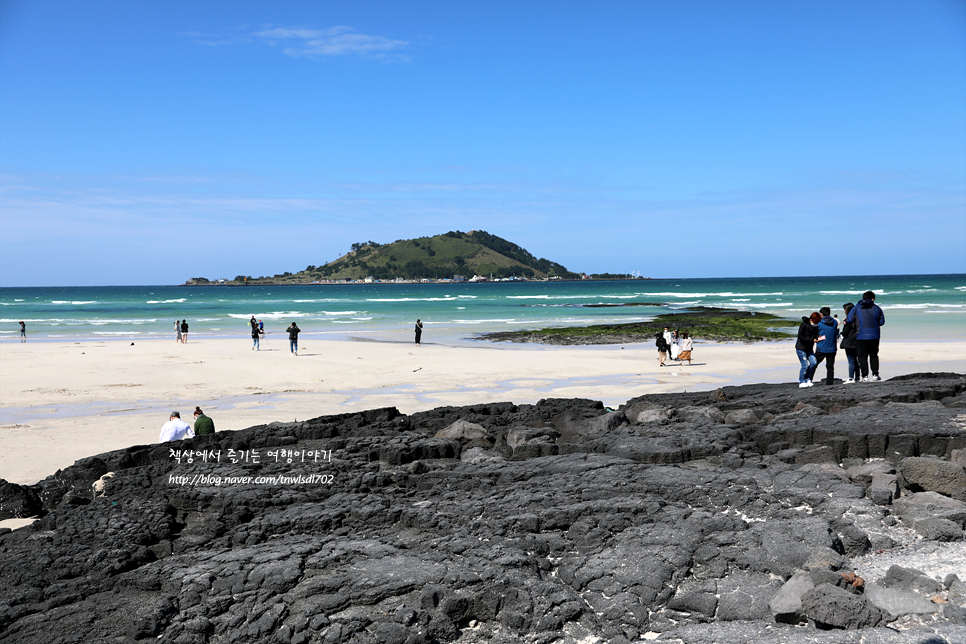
<point>62,401</point>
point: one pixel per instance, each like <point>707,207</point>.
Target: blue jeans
<point>255,342</point>
<point>808,365</point>
<point>293,345</point>
<point>853,358</point>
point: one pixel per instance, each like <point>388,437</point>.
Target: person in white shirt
<point>175,429</point>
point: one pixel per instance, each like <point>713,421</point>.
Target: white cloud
<point>334,41</point>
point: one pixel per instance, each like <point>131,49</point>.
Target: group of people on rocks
<point>176,429</point>
<point>819,334</point>
<point>674,343</point>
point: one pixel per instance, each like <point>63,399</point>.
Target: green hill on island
<point>439,257</point>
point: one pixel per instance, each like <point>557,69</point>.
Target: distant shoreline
<point>410,282</point>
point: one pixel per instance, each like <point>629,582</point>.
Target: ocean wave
<point>115,333</point>
<point>413,299</point>
<point>180,299</point>
<point>77,302</point>
<point>925,305</point>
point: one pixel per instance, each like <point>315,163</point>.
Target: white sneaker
<point>848,382</point>
<point>876,378</point>
<point>866,379</point>
<point>803,385</point>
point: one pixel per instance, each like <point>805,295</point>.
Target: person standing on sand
<point>255,334</point>
<point>805,347</point>
<point>686,346</point>
<point>177,330</point>
<point>849,345</point>
<point>419,330</point>
<point>293,338</point>
<point>828,335</point>
<point>184,331</point>
<point>203,424</point>
<point>175,429</point>
<point>868,317</point>
<point>661,349</point>
<point>23,331</point>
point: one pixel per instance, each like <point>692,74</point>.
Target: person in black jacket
<point>662,348</point>
<point>805,348</point>
<point>850,345</point>
<point>293,338</point>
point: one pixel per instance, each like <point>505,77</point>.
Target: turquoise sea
<point>917,307</point>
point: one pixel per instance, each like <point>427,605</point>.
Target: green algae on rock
<point>702,323</point>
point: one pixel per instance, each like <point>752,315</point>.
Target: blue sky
<point>149,142</point>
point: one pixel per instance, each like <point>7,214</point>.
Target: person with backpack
<point>662,348</point>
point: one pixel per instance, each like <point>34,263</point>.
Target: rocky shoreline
<point>703,323</point>
<point>745,515</point>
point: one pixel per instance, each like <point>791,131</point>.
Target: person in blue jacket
<point>828,335</point>
<point>867,317</point>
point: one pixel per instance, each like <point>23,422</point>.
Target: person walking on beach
<point>868,317</point>
<point>849,345</point>
<point>184,332</point>
<point>23,331</point>
<point>203,424</point>
<point>256,334</point>
<point>293,338</point>
<point>175,429</point>
<point>177,331</point>
<point>675,347</point>
<point>686,346</point>
<point>661,343</point>
<point>419,330</point>
<point>828,335</point>
<point>805,347</point>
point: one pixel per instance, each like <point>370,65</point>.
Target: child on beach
<point>23,331</point>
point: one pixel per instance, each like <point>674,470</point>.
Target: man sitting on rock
<point>175,429</point>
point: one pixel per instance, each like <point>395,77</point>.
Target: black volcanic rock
<point>557,522</point>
